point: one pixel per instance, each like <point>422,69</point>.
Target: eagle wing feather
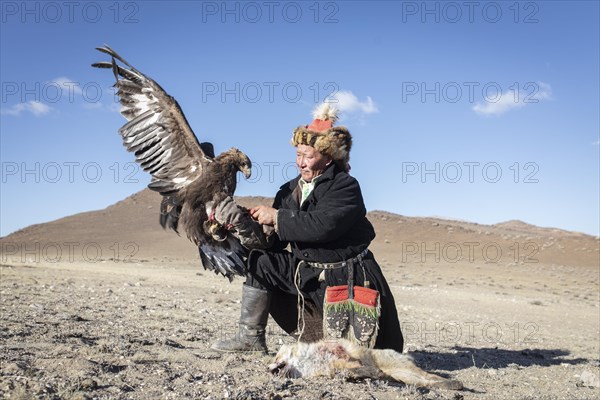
<point>157,131</point>
<point>165,146</point>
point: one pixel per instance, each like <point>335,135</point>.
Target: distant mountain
<point>129,230</point>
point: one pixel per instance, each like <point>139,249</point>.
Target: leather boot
<point>253,321</point>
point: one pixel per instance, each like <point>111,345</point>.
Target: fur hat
<point>334,141</point>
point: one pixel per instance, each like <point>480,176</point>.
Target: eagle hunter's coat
<point>329,226</point>
<point>192,180</point>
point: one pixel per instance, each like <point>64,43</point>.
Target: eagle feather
<point>184,171</point>
<point>325,111</point>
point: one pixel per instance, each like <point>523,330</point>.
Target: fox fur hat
<point>334,141</point>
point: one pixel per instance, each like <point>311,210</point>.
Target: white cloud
<point>104,107</point>
<point>348,103</point>
<point>533,93</point>
<point>35,107</point>
<point>72,91</point>
<point>545,91</point>
<point>68,86</point>
<point>64,90</point>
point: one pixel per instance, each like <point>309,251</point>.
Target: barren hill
<point>129,230</point>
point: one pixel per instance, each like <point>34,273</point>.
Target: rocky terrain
<point>106,304</point>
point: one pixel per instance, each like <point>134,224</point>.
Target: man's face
<point>310,162</point>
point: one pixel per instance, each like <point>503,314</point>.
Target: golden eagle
<point>186,172</point>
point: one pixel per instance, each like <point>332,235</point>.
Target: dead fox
<point>326,358</point>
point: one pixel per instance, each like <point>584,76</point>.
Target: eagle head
<point>242,162</point>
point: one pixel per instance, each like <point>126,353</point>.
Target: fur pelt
<point>335,142</point>
<point>327,358</point>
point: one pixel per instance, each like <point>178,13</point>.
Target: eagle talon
<point>216,230</point>
<point>219,237</point>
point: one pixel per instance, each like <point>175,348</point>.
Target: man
<point>322,216</point>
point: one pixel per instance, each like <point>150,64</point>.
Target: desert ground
<point>106,304</point>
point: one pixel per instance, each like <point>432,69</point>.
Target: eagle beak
<point>247,172</point>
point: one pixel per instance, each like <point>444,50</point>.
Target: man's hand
<point>264,215</point>
<point>237,221</point>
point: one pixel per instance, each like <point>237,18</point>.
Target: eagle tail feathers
<point>225,258</point>
<point>169,213</point>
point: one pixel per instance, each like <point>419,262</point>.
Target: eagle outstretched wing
<point>157,131</point>
<point>186,172</point>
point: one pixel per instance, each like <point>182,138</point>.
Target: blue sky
<point>481,111</point>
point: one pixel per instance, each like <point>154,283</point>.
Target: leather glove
<point>239,222</point>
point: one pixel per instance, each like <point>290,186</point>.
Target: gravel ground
<point>143,329</point>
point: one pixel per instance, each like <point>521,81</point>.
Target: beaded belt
<point>340,264</point>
